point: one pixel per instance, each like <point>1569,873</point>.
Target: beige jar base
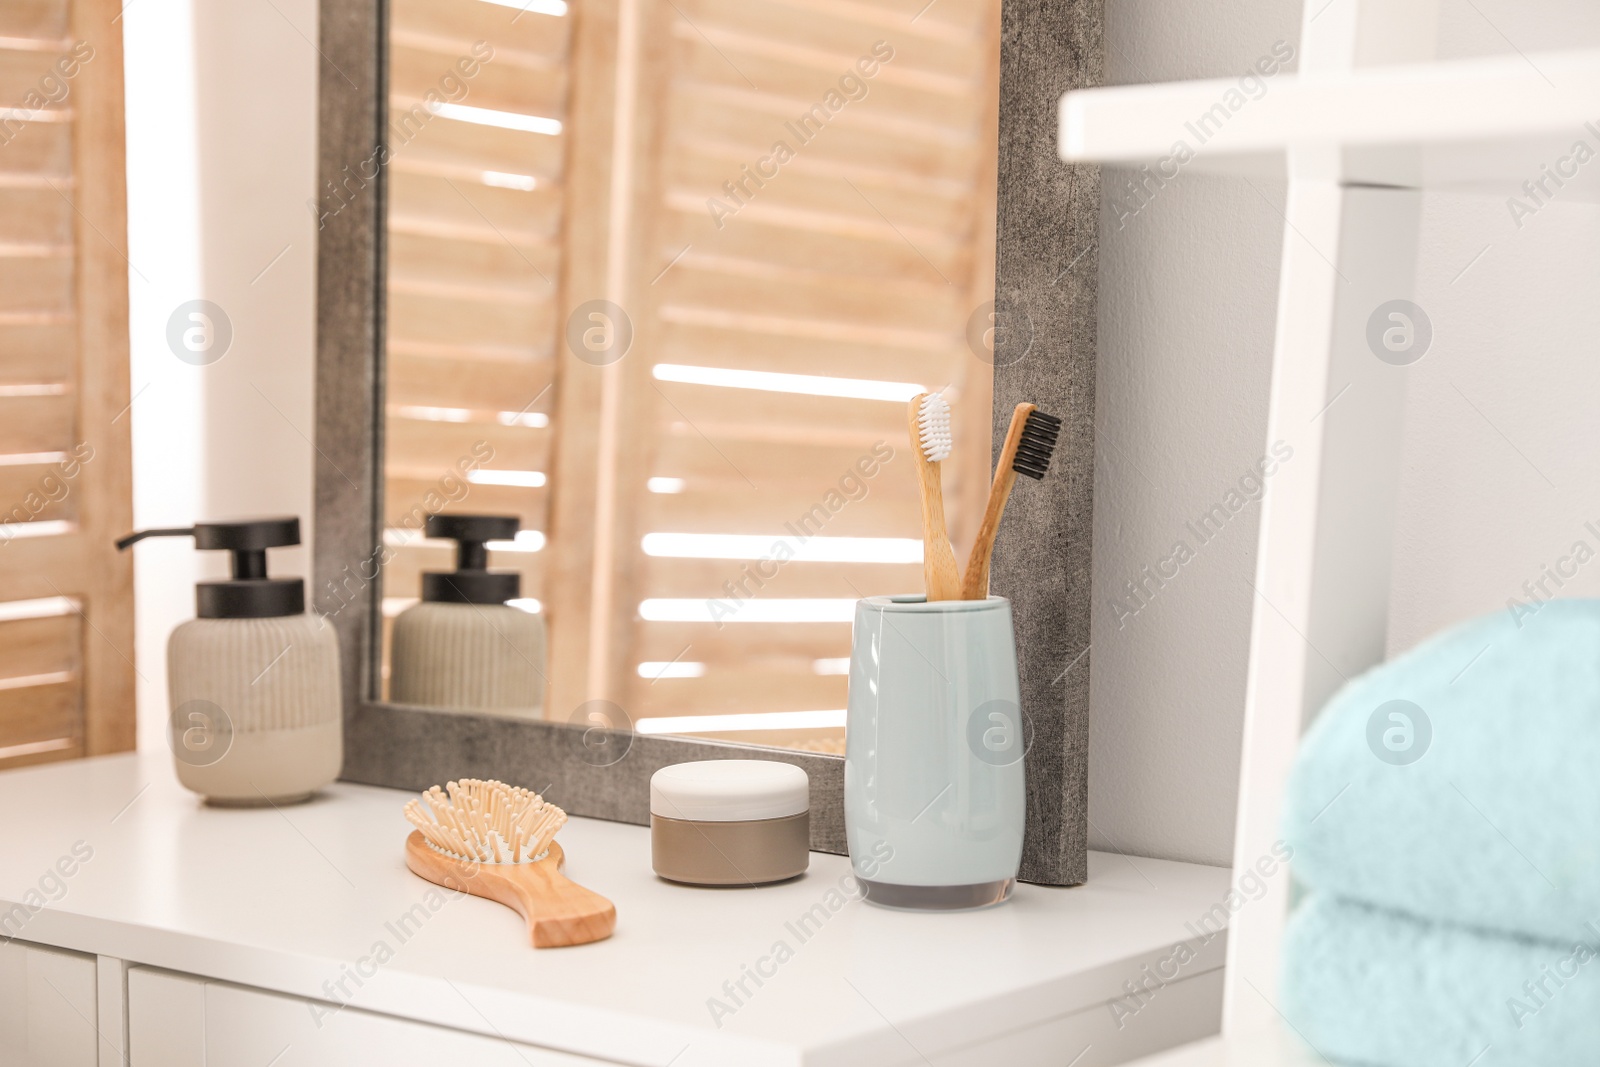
<point>757,852</point>
<point>269,767</point>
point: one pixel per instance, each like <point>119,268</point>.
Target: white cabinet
<point>48,1007</point>
<point>178,1021</point>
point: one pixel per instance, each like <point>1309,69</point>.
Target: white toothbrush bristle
<point>933,421</point>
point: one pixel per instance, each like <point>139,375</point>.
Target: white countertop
<point>289,899</point>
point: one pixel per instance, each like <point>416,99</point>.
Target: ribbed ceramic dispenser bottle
<point>254,680</point>
<point>463,647</point>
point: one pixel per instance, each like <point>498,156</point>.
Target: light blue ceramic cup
<point>934,795</point>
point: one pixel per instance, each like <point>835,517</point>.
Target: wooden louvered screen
<point>863,258</point>
<point>66,596</point>
<point>474,232</point>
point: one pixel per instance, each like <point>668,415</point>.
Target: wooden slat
<point>23,69</point>
<point>756,512</point>
<point>41,713</point>
<point>820,465</point>
<point>687,578</point>
<point>478,384</point>
<point>42,19</point>
<point>35,283</point>
<point>949,18</point>
<point>43,350</point>
<point>913,304</point>
<point>67,748</point>
<point>423,245</point>
<point>707,345</point>
<point>843,139</point>
<point>42,149</point>
<point>837,41</point>
<point>462,22</point>
<point>531,505</point>
<point>443,141</point>
<point>418,64</point>
<point>706,408</point>
<point>493,215</point>
<point>792,79</point>
<point>30,647</point>
<point>35,492</point>
<point>434,318</point>
<point>911,205</point>
<point>952,21</point>
<point>737,642</point>
<point>36,423</point>
<point>780,234</point>
<point>814,485</point>
<point>34,215</point>
<point>40,567</point>
<point>420,445</point>
<point>733,691</point>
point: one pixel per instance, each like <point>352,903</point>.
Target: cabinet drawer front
<point>178,1021</point>
<point>48,1007</point>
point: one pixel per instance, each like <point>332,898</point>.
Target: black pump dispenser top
<point>471,582</point>
<point>249,594</point>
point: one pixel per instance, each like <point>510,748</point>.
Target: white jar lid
<point>729,790</point>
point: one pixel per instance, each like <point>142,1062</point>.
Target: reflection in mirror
<point>661,277</point>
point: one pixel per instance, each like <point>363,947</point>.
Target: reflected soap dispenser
<point>254,680</point>
<point>463,646</point>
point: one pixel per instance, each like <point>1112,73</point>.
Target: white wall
<point>221,159</point>
<point>1497,467</point>
<point>1188,288</point>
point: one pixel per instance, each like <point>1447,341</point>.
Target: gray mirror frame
<point>1045,276</point>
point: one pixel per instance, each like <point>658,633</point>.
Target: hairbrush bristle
<point>486,822</point>
<point>1036,445</point>
<point>933,423</point>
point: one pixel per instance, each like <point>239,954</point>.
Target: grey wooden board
<point>1045,289</point>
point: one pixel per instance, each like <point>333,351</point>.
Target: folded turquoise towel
<point>1367,986</point>
<point>1497,824</point>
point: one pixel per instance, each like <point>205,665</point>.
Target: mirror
<point>660,276</point>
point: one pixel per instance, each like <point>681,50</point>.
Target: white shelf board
<point>290,900</point>
<point>1479,124</point>
<point>1273,1048</point>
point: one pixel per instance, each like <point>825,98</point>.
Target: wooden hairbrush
<point>1030,442</point>
<point>498,842</point>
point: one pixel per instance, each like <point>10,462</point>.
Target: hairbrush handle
<point>939,570</point>
<point>975,583</point>
<point>558,911</point>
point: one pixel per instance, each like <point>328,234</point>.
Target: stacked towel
<point>1445,814</point>
<point>1370,986</point>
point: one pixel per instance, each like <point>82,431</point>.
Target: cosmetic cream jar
<point>730,822</point>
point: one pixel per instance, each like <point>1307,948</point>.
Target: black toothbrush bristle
<point>1036,445</point>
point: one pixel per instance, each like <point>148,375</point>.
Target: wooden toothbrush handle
<point>975,584</point>
<point>939,570</point>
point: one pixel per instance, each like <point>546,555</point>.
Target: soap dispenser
<point>463,647</point>
<point>254,680</point>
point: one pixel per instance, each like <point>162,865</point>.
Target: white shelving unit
<point>1366,124</point>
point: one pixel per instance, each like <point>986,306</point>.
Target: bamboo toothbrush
<point>498,842</point>
<point>929,417</point>
<point>1030,442</point>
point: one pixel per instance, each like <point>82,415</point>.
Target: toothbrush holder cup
<point>934,793</point>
